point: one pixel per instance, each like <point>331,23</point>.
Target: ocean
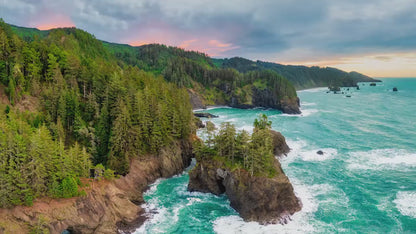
<point>364,183</point>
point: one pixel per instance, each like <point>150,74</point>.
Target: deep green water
<point>364,183</point>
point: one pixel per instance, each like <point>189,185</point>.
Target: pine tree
<point>225,141</point>
<point>120,141</point>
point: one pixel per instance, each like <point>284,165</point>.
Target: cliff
<point>108,207</point>
<point>255,198</point>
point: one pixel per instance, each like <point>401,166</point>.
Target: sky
<point>374,37</point>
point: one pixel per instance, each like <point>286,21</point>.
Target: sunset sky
<point>375,37</point>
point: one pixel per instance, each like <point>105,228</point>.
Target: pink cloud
<point>164,33</point>
<point>52,20</point>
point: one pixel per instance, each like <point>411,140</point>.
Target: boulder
<point>205,115</point>
<point>199,123</point>
<point>395,89</point>
<point>320,152</point>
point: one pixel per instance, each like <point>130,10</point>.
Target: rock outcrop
<point>262,199</point>
<point>205,115</point>
<point>196,100</point>
<point>267,99</point>
<point>108,207</point>
<point>280,147</point>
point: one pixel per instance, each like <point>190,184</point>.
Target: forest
<point>68,105</point>
<point>301,77</point>
<point>195,70</point>
<point>238,149</point>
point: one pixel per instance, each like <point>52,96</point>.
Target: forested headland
<point>68,104</point>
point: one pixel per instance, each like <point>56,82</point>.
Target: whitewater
<point>365,182</point>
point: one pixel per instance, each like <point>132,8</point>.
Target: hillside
<point>302,77</point>
<point>155,58</point>
<point>207,84</point>
<point>68,106</point>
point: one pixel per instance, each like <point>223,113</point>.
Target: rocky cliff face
<point>196,100</point>
<point>261,199</point>
<point>108,207</point>
<point>280,147</point>
<point>266,98</point>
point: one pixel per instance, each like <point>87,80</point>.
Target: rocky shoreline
<point>114,206</point>
<point>108,207</point>
<point>261,98</point>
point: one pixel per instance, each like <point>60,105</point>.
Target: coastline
<point>108,207</point>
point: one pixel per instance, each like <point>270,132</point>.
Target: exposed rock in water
<point>199,123</point>
<point>395,89</point>
<point>334,89</point>
<point>348,96</point>
<point>280,147</point>
<point>373,84</point>
<point>196,100</point>
<point>261,199</point>
<point>108,207</point>
<point>320,152</point>
<point>205,115</point>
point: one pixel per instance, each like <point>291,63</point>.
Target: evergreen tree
<point>120,142</point>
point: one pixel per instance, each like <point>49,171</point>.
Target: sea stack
<point>264,199</point>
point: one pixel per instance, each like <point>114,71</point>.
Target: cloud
<point>277,30</point>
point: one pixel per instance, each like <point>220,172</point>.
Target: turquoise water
<point>365,181</point>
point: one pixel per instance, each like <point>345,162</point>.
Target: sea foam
<point>314,90</point>
<point>406,203</point>
<point>299,150</point>
<point>382,159</point>
<point>301,222</point>
<point>305,113</point>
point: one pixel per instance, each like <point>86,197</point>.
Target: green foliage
<point>262,122</point>
<point>69,187</point>
<point>114,111</point>
<point>301,77</point>
<point>40,227</point>
<point>32,164</point>
<point>218,84</point>
<point>109,174</point>
<point>93,107</point>
<point>239,150</point>
<point>100,172</point>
